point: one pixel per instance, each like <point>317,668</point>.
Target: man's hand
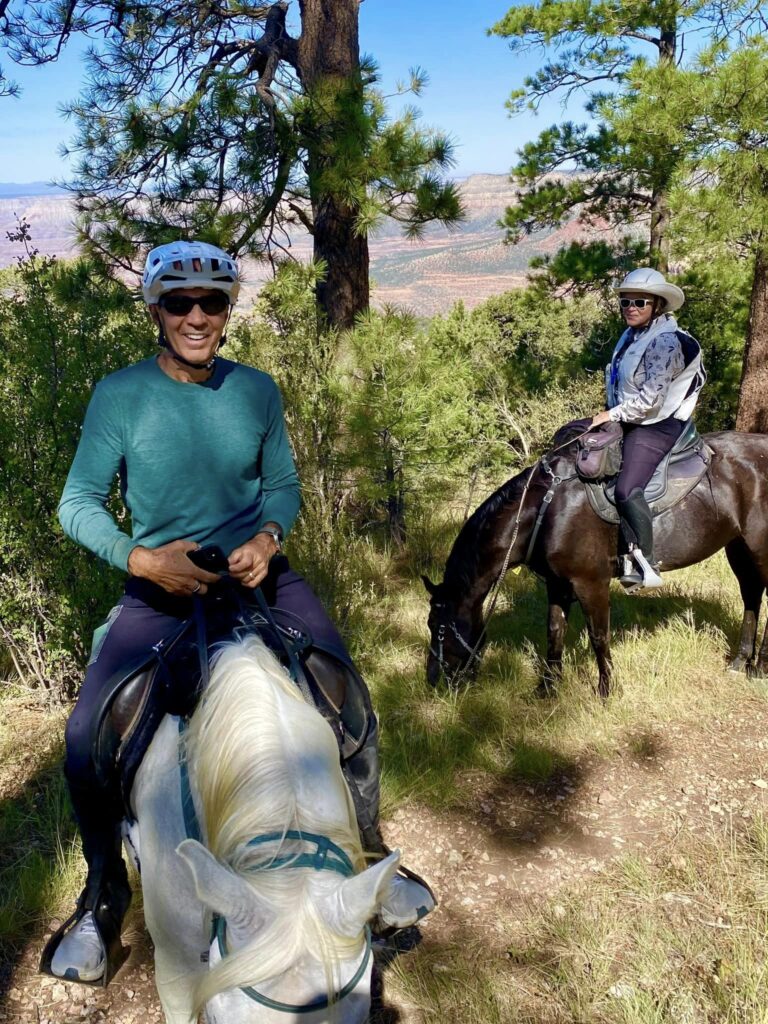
<point>249,563</point>
<point>600,418</point>
<point>169,567</point>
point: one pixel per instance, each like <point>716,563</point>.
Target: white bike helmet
<point>653,282</point>
<point>189,265</point>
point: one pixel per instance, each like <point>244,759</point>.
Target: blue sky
<point>470,75</point>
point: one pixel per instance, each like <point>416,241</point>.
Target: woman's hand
<point>249,563</point>
<point>169,567</point>
<point>600,418</point>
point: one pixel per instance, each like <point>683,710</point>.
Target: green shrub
<point>63,326</point>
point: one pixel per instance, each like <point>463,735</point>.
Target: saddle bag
<point>600,452</point>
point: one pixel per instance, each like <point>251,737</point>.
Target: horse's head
<point>283,870</point>
<point>454,633</point>
<point>291,968</point>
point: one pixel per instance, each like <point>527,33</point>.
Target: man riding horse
<point>200,446</point>
<point>652,386</point>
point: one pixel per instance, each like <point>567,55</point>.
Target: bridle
<point>473,651</point>
<point>454,629</point>
<point>327,857</point>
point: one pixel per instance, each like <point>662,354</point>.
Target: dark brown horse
<point>576,554</point>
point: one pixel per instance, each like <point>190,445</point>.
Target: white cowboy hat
<point>652,282</point>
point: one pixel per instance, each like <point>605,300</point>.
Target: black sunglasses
<point>182,305</point>
<point>639,303</point>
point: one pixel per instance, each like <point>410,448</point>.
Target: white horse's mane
<point>250,747</point>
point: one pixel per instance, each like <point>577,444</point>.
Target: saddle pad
<point>662,493</point>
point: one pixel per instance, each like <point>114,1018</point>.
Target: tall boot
<point>87,947</point>
<point>409,898</point>
<point>640,571</point>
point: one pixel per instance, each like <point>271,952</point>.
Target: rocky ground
<point>510,847</point>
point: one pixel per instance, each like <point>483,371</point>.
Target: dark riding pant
<point>145,615</point>
<point>644,448</point>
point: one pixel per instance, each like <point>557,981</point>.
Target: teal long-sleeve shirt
<point>204,462</point>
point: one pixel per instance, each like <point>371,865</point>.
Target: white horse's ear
<point>221,889</point>
<point>356,900</point>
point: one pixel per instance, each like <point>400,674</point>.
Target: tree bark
<point>752,414</point>
<point>329,70</point>
<point>658,248</point>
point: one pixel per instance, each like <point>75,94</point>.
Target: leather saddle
<point>169,681</point>
<point>676,476</point>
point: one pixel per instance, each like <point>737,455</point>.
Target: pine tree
<point>212,120</point>
<point>620,179</point>
<point>718,120</point>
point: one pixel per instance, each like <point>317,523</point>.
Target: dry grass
<point>656,938</point>
<point>670,666</point>
<point>680,938</point>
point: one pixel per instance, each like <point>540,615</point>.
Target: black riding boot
<point>637,522</point>
<point>107,894</point>
<point>640,569</point>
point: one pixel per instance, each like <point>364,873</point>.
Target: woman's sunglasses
<point>182,305</point>
<point>638,303</point>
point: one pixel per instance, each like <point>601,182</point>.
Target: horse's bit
<point>454,629</point>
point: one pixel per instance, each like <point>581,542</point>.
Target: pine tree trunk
<point>329,69</point>
<point>752,414</point>
<point>658,248</point>
<point>345,290</point>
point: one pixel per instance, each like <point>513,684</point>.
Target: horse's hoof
<point>737,664</point>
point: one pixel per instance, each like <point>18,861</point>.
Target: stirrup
<point>650,578</point>
<point>630,574</point>
<point>387,923</point>
<point>108,921</point>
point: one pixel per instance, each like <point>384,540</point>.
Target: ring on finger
<point>196,587</point>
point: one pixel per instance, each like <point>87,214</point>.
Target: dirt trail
<point>510,845</point>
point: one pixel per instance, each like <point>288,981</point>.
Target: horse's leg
<point>560,597</point>
<point>752,587</point>
<point>760,668</point>
<point>757,550</point>
<point>594,598</point>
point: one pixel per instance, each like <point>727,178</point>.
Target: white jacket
<point>633,396</point>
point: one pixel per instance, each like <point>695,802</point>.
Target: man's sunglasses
<point>638,303</point>
<point>182,305</point>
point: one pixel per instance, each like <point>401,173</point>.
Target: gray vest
<point>683,393</point>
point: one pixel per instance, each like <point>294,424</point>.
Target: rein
<point>473,651</point>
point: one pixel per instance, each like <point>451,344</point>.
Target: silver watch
<point>276,535</point>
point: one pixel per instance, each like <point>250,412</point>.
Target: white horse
<point>260,924</point>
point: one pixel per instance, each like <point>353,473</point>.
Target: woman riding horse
<point>652,384</point>
<point>200,445</point>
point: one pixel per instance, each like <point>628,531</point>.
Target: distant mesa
<point>469,262</point>
<point>15,189</point>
